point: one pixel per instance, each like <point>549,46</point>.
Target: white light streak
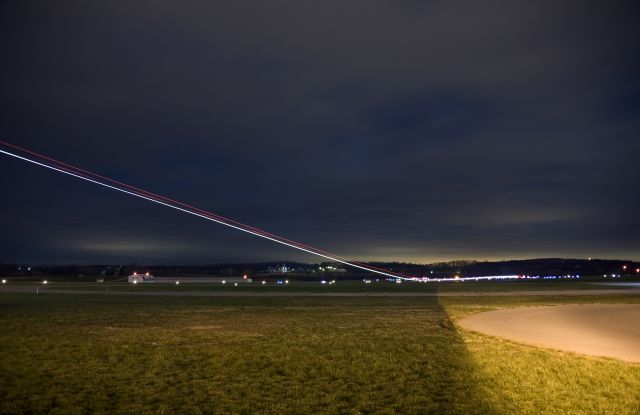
<point>203,216</point>
<point>489,277</point>
<point>221,222</point>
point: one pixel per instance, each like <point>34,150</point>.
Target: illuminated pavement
<point>618,284</point>
<point>611,330</point>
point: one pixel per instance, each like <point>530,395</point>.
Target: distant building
<point>331,268</point>
<point>136,278</point>
<point>281,269</point>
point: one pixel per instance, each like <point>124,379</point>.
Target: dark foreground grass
<point>94,354</point>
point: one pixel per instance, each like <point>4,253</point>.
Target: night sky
<point>380,130</point>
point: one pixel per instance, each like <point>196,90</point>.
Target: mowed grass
<point>124,354</point>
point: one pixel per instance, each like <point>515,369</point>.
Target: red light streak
<point>132,190</point>
<point>82,172</point>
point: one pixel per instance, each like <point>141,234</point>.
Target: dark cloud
<point>383,130</point>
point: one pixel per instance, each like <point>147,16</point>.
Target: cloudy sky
<point>380,130</point>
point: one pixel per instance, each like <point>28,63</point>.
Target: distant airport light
<point>44,282</point>
<point>487,278</point>
<point>135,281</point>
<point>4,281</point>
<point>624,267</point>
<point>263,282</point>
<point>323,282</point>
<point>177,282</point>
<point>244,276</point>
<point>286,281</point>
<point>224,282</point>
<point>235,284</point>
<point>637,270</point>
<point>147,274</point>
<point>135,273</point>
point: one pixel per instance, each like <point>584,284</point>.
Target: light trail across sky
<point>70,170</point>
<point>80,172</point>
<point>53,164</point>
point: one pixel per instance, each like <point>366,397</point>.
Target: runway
<point>267,294</point>
<point>610,330</point>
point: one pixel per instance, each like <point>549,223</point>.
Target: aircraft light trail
<point>60,167</point>
<point>53,164</point>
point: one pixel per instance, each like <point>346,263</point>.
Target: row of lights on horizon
<point>366,281</point>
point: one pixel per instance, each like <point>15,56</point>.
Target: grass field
<point>127,354</point>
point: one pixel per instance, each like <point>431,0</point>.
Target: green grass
<point>126,354</point>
